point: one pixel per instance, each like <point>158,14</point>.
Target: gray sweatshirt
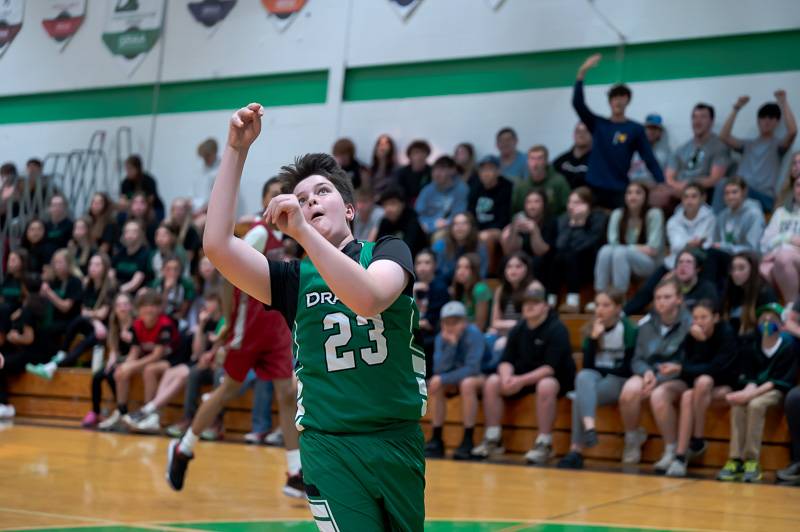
<point>740,230</point>
<point>657,343</point>
<point>681,230</point>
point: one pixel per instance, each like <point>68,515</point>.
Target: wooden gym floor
<point>58,478</point>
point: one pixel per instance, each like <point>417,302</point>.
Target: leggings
<point>84,327</point>
<point>592,389</point>
<point>97,386</point>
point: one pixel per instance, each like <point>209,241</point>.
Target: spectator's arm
<point>612,231</point>
<point>532,377</point>
<point>772,237</point>
<point>589,352</point>
<point>62,305</point>
<point>25,337</point>
<point>753,236</point>
<point>788,120</point>
<point>482,314</point>
<point>133,285</point>
<point>427,221</point>
<point>510,240</point>
<point>158,353</point>
<point>501,324</point>
<point>792,325</point>
<point>725,134</point>
<point>578,103</point>
<point>475,347</point>
<point>646,152</point>
<point>639,364</point>
<point>459,201</point>
<point>716,175</point>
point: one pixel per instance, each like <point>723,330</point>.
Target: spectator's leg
<point>151,375</point>
<point>792,409</point>
<point>468,388</point>
<point>621,268</point>
<point>644,295</point>
<point>756,415</point>
<point>685,422</point>
<point>663,402</point>
<point>439,406</point>
<point>172,382</point>
<point>492,405</point>
<point>604,267</point>
<point>262,406</point>
<point>84,327</point>
<point>89,340</point>
<point>584,405</point>
<point>701,400</point>
<point>630,403</point>
<point>786,272</point>
<point>641,265</point>
<point>546,400</point>
<point>122,377</point>
<point>738,431</point>
<point>112,383</point>
<point>97,390</point>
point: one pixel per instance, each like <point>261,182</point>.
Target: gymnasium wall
<point>455,70</point>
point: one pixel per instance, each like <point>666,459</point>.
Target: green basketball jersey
<point>356,373</point>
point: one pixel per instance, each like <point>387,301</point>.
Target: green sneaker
<point>45,371</point>
<point>752,471</point>
<point>732,472</point>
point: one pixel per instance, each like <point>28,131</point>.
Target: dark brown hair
<point>626,216</point>
<point>452,248</point>
<point>749,294</point>
<point>318,164</point>
<point>509,293</point>
<point>148,297</point>
<point>463,292</point>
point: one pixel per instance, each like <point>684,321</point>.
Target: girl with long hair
<point>468,288</point>
<point>745,292</point>
<point>461,238</point>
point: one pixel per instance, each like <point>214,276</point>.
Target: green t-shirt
<point>480,292</point>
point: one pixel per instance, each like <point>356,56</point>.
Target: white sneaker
<point>488,449</point>
<point>274,438</point>
<point>254,438</point>
<point>632,454</point>
<point>666,460</point>
<point>541,453</point>
<point>676,469</point>
<point>590,307</point>
<point>149,423</point>
<point>7,411</point>
<point>111,421</point>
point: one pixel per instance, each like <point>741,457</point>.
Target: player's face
<point>324,208</point>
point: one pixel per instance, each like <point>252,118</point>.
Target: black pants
<point>574,269</point>
<point>791,406</point>
<point>716,267</point>
<point>608,199</point>
<point>644,295</point>
<point>84,327</point>
<point>97,386</point>
<point>15,360</point>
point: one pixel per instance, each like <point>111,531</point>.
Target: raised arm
<point>725,133</point>
<point>242,265</point>
<point>788,119</point>
<point>578,103</point>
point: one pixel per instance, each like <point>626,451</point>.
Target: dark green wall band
<point>666,60</point>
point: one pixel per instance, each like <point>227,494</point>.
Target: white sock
<point>574,300</point>
<point>149,408</point>
<point>545,438</point>
<point>493,433</point>
<point>670,448</point>
<point>293,461</point>
<point>187,442</point>
<point>51,366</point>
<point>60,356</point>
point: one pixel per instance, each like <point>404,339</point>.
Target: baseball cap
<point>773,307</point>
<point>536,295</point>
<point>654,120</point>
<point>453,309</point>
<point>489,159</point>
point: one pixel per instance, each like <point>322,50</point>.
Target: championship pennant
<point>404,8</point>
<point>63,19</point>
<point>209,13</point>
<point>11,12</point>
<point>283,12</point>
<point>132,29</point>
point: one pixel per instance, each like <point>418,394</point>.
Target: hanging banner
<point>11,12</point>
<point>62,19</point>
<point>494,4</point>
<point>283,12</point>
<point>132,29</point>
<point>404,8</point>
<point>209,13</point>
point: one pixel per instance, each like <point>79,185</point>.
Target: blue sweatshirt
<point>454,363</point>
<point>434,203</point>
<point>613,146</point>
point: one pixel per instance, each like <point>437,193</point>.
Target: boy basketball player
<point>361,389</point>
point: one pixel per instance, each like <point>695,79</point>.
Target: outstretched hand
<point>245,126</point>
<point>285,213</point>
<point>780,95</point>
<point>741,102</point>
<point>590,62</point>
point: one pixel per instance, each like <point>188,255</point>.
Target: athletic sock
<point>545,438</point>
<point>51,366</point>
<point>149,408</point>
<point>437,433</point>
<point>493,433</point>
<point>123,409</point>
<point>468,434</point>
<point>60,356</point>
<point>293,461</point>
<point>187,442</point>
<point>696,444</point>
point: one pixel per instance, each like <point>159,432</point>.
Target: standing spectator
<point>442,199</point>
<point>654,131</point>
<point>417,173</point>
<point>39,250</point>
<point>384,161</point>
<point>761,157</point>
<point>430,293</point>
<point>401,221</point>
<point>461,238</point>
<point>132,263</point>
<point>137,180</point>
<point>573,164</point>
<point>468,288</point>
<point>456,371</point>
<point>770,370</point>
<point>9,191</point>
<point>614,141</point>
<point>208,151</point>
<point>81,246</point>
<point>607,352</point>
<point>368,216</point>
<point>710,370</point>
<point>102,225</point>
<point>579,235</point>
<point>533,231</point>
<point>544,177</point>
<point>635,242</point>
<point>745,292</point>
<point>537,359</point>
<point>59,226</point>
<point>512,162</point>
<point>780,245</point>
<point>464,155</point>
<point>490,202</point>
<point>344,151</point>
<point>656,370</point>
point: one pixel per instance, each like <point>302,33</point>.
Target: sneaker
<point>566,308</point>
<point>590,307</point>
<point>45,371</point>
<point>666,460</point>
<point>789,474</point>
<point>7,411</point>
<point>590,439</point>
<point>676,469</point>
<point>434,449</point>
<point>179,429</point>
<point>254,438</point>
<point>571,460</point>
<point>274,438</point>
<point>177,462</point>
<point>214,433</point>
<point>111,422</point>
<point>148,423</point>
<point>752,471</point>
<point>632,453</point>
<point>132,418</point>
<point>732,471</point>
<point>90,420</point>
<point>692,454</point>
<point>464,451</point>
<point>488,449</point>
<point>295,487</point>
<point>540,453</point>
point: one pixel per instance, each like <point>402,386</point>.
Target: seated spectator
<point>490,202</point>
<point>456,371</point>
<point>81,246</point>
<point>787,191</point>
<point>137,180</point>
<point>140,211</point>
<point>176,290</point>
<point>187,237</point>
<point>635,238</point>
<point>770,370</point>
<point>762,156</point>
<point>413,177</point>
<point>710,369</point>
<point>791,407</point>
<point>693,287</point>
<point>745,292</point>
<point>512,162</point>
<point>209,281</point>
<point>656,374</point>
<point>464,156</point>
<point>533,232</point>
<point>607,352</point>
<point>692,225</point>
<point>443,198</point>
<point>400,220</point>
<point>103,227</point>
<point>541,176</point>
<point>58,229</point>
<point>62,290</point>
<point>614,141</point>
<point>154,344</point>
<point>468,288</point>
<point>654,131</point>
<point>537,359</point>
<point>95,302</point>
<point>739,228</point>
<point>780,245</point>
<point>384,161</point>
<point>368,216</point>
<point>430,293</point>
<point>507,303</point>
<point>574,163</point>
<point>16,271</point>
<point>580,233</point>
<point>39,250</point>
<point>704,159</point>
<point>118,343</point>
<point>132,263</point>
<point>167,246</point>
<point>460,238</point>
<point>344,151</point>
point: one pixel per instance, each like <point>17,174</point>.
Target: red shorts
<point>269,365</point>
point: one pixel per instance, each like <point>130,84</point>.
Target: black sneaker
<point>177,462</point>
<point>789,474</point>
<point>434,449</point>
<point>590,439</point>
<point>295,487</point>
<point>464,451</point>
<point>571,460</point>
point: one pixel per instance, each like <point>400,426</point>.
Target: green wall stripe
<point>706,57</point>
<point>181,97</point>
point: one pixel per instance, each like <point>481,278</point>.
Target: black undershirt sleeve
<point>284,280</point>
<point>393,249</point>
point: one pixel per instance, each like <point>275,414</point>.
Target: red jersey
<point>163,333</point>
<point>255,329</point>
